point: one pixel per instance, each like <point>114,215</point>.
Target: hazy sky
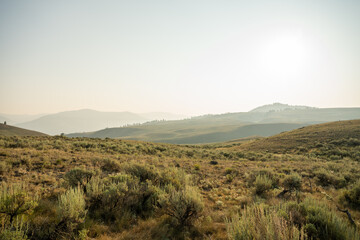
<point>189,57</point>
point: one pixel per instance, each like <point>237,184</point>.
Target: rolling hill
<point>6,130</point>
<point>192,135</point>
<point>227,127</point>
<point>278,107</point>
<point>338,133</point>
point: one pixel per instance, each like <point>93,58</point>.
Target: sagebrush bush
<point>3,167</point>
<point>44,223</point>
<point>95,187</point>
<point>175,177</point>
<point>15,200</point>
<point>72,205</point>
<point>121,195</point>
<point>143,172</point>
<point>321,221</point>
<point>292,182</point>
<point>262,222</point>
<point>110,165</point>
<point>352,195</point>
<point>326,178</point>
<point>78,176</point>
<point>262,184</point>
<point>270,174</point>
<point>183,205</point>
<point>309,219</point>
<point>16,231</point>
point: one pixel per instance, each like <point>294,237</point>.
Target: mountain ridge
<point>225,127</point>
<point>85,120</point>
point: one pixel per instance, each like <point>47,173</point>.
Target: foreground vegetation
<point>78,188</point>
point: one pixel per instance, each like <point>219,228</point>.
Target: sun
<point>282,56</point>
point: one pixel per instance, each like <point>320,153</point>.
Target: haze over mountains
<point>263,121</point>
<point>18,118</point>
<point>90,120</point>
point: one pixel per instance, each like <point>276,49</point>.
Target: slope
<point>6,130</point>
<point>310,137</point>
<point>182,134</point>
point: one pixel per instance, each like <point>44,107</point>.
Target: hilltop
<point>278,107</point>
<point>309,137</point>
<point>6,130</point>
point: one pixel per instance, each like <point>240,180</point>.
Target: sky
<point>187,57</point>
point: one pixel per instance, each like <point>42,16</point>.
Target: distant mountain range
<point>263,121</point>
<point>18,118</point>
<point>86,120</point>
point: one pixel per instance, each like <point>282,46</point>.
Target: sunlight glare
<point>283,55</point>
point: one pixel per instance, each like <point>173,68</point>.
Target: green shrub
<point>320,221</point>
<point>143,172</point>
<point>262,184</point>
<point>71,214</point>
<point>15,200</point>
<point>326,178</point>
<point>231,171</point>
<point>251,177</point>
<point>326,221</point>
<point>184,206</point>
<point>173,176</point>
<point>121,196</point>
<point>3,167</point>
<point>110,165</point>
<point>262,222</point>
<point>229,178</point>
<point>292,182</point>
<point>309,219</point>
<point>16,231</point>
<point>43,224</point>
<point>196,167</point>
<point>352,195</point>
<point>78,176</point>
<point>95,187</point>
<point>71,206</point>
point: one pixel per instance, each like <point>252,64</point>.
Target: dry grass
<point>226,187</point>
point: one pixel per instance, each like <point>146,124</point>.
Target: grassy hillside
<point>225,127</point>
<point>73,188</point>
<point>310,137</point>
<point>6,130</point>
<point>182,133</point>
